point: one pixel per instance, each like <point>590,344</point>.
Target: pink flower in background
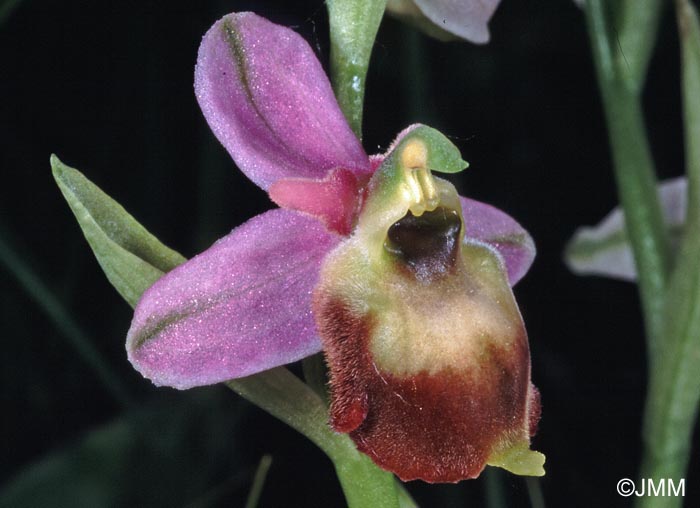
<point>447,19</point>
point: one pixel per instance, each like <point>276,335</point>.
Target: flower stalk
<point>283,395</point>
<point>672,405</point>
<point>353,28</point>
<point>638,25</point>
<point>669,288</point>
<point>634,171</point>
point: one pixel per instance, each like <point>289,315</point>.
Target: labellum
<point>427,351</point>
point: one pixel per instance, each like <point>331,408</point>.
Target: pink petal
<point>240,307</point>
<point>467,19</point>
<point>269,102</point>
<point>334,200</point>
<point>490,225</point>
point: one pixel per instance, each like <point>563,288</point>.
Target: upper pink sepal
<point>241,307</point>
<point>269,102</point>
<point>490,225</point>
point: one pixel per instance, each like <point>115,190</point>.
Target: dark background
<point>108,87</point>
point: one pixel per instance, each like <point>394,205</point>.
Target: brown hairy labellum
<point>426,402</point>
<point>426,348</point>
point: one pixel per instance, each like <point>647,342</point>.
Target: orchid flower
<point>403,283</point>
<point>447,19</point>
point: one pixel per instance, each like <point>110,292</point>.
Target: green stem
<point>674,393</point>
<point>493,486</point>
<point>413,74</point>
<point>364,484</point>
<point>689,32</point>
<point>405,499</point>
<point>353,28</point>
<point>639,23</point>
<point>674,386</point>
<point>637,190</point>
<point>283,395</point>
<point>534,492</point>
<point>634,175</point>
<point>671,302</point>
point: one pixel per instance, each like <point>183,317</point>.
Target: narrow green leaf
<point>258,482</point>
<point>353,27</point>
<point>131,257</point>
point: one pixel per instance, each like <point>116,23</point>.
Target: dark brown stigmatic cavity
<point>427,244</point>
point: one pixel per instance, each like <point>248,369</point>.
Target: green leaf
<point>131,257</point>
<point>258,482</point>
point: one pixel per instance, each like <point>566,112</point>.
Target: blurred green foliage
<point>165,454</point>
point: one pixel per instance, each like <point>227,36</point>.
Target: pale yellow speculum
<point>419,190</point>
<point>450,326</point>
